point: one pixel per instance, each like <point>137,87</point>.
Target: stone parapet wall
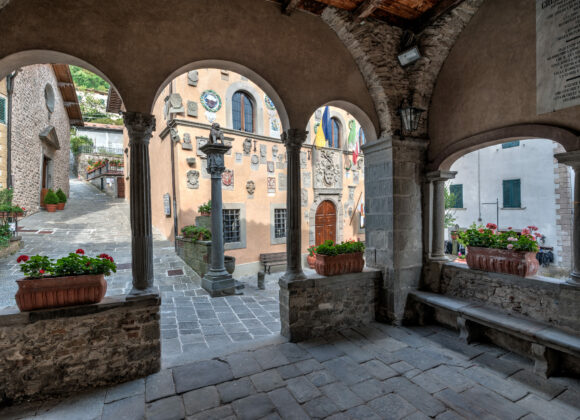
<point>195,254</point>
<point>318,305</point>
<point>61,351</point>
<point>543,299</point>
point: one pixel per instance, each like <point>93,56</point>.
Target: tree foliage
<point>85,80</point>
<point>77,143</point>
<point>450,200</point>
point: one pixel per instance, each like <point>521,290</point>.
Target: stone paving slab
<point>339,388</point>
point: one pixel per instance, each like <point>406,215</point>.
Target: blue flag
<point>326,126</point>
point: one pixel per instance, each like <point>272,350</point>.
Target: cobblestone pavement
<point>376,372</point>
<point>193,326</point>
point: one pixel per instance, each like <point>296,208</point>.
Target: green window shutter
<point>510,144</point>
<point>2,110</point>
<point>457,191</point>
<point>512,193</point>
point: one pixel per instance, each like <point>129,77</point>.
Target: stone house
<point>39,112</point>
<point>254,184</point>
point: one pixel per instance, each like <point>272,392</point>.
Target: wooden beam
<point>428,18</point>
<point>65,84</point>
<point>289,6</point>
<point>366,8</point>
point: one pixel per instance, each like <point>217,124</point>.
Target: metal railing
<point>117,151</point>
<point>107,169</point>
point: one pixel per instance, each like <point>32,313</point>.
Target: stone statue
<point>247,146</point>
<point>216,134</point>
<point>250,187</point>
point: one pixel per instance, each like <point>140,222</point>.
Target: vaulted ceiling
<point>407,14</point>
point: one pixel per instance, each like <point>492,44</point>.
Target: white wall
<point>533,163</point>
<point>103,138</point>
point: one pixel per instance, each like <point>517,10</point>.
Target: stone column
<point>140,127</point>
<point>293,139</point>
<point>572,159</point>
<point>438,179</point>
<point>217,281</point>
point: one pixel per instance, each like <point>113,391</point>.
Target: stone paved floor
<point>376,372</point>
<point>193,326</point>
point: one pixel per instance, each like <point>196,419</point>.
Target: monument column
<point>572,159</point>
<point>217,281</point>
<point>140,128</point>
<point>293,139</point>
<point>438,179</point>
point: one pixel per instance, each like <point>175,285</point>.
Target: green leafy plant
<point>74,264</point>
<point>78,142</point>
<point>5,234</point>
<point>6,195</point>
<point>51,197</point>
<point>490,237</point>
<point>311,251</point>
<point>205,208</point>
<point>450,200</point>
<point>61,196</point>
<point>196,233</point>
<point>348,247</point>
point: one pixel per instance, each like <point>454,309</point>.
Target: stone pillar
<point>438,179</point>
<point>572,159</point>
<point>293,139</point>
<point>140,127</point>
<point>217,281</point>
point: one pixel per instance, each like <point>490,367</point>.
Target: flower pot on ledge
<point>53,292</point>
<point>51,208</point>
<point>60,206</point>
<point>518,263</point>
<point>311,260</point>
<point>327,265</point>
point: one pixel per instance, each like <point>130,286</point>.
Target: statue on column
<point>216,134</point>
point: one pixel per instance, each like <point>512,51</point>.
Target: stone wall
<point>4,139</point>
<point>195,254</point>
<point>318,305</point>
<point>30,116</point>
<point>62,351</point>
<point>564,211</point>
<point>82,161</point>
<point>543,299</point>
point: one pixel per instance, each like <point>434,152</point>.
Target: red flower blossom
<point>88,263</point>
<point>41,271</point>
<point>23,209</point>
<point>525,231</point>
<point>538,235</point>
<point>22,258</point>
<point>491,226</point>
<point>103,255</point>
<point>480,230</point>
<point>533,228</point>
<point>510,228</point>
<point>80,251</point>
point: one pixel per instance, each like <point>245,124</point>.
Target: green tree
<point>450,200</point>
<point>84,80</point>
<point>77,143</point>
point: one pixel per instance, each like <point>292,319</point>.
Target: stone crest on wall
<point>186,145</point>
<point>263,153</point>
<point>327,172</point>
<point>192,109</point>
<point>247,146</point>
<point>228,179</point>
<point>192,78</point>
<point>193,179</point>
<point>271,184</point>
<point>250,187</point>
<point>304,198</point>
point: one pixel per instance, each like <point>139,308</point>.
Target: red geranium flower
<point>102,255</point>
<point>22,258</point>
<point>88,263</point>
<point>480,230</point>
<point>491,226</point>
<point>80,251</point>
<point>532,228</point>
<point>41,271</point>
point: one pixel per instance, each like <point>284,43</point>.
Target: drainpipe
<point>175,220</point>
<point>479,186</point>
<point>9,90</point>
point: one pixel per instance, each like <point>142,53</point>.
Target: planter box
<point>339,264</point>
<point>53,292</point>
<point>518,263</point>
<point>197,255</point>
<point>203,221</point>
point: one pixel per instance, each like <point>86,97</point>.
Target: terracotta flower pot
<point>51,208</point>
<point>60,206</point>
<point>339,264</point>
<point>518,263</point>
<point>311,260</point>
<point>52,292</point>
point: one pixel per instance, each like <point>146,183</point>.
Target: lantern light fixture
<point>410,117</point>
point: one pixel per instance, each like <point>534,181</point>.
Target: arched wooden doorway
<point>325,222</point>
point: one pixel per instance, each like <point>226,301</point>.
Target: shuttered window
<point>510,144</point>
<point>512,197</point>
<point>2,110</point>
<point>457,191</point>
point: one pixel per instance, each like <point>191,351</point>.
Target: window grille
<point>231,220</point>
<point>279,223</point>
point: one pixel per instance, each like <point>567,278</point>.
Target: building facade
<point>39,142</point>
<point>517,184</point>
<point>107,138</point>
<point>254,183</point>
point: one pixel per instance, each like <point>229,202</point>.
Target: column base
<point>290,276</point>
<point>218,283</point>
<point>439,258</point>
<point>137,294</point>
<point>574,279</point>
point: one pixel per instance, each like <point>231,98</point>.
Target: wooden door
<point>325,222</point>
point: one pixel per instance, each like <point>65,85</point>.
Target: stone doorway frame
<point>334,198</point>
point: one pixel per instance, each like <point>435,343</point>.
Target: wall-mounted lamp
<point>409,49</point>
<point>410,117</point>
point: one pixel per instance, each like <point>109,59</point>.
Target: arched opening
<point>325,222</point>
<point>243,111</point>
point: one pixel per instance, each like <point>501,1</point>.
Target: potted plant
<point>50,201</point>
<point>507,252</point>
<point>205,209</point>
<point>346,257</point>
<point>196,233</point>
<point>311,258</point>
<point>72,280</point>
<point>61,199</point>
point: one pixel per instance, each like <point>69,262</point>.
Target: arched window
<point>334,140</point>
<point>243,112</point>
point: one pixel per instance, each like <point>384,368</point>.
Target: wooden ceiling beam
<point>289,6</point>
<point>429,17</point>
<point>366,8</point>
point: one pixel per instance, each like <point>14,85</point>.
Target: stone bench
<point>551,349</point>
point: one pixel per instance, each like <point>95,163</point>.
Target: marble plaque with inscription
<point>557,54</point>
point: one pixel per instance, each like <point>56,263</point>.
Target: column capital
<point>440,175</point>
<point>571,159</point>
<point>294,137</point>
<point>140,126</point>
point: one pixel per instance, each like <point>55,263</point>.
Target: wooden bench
<point>271,259</point>
<point>547,343</point>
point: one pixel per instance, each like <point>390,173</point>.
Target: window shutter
<point>517,197</point>
<point>512,193</point>
<point>510,144</point>
<point>2,110</point>
<point>457,191</point>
